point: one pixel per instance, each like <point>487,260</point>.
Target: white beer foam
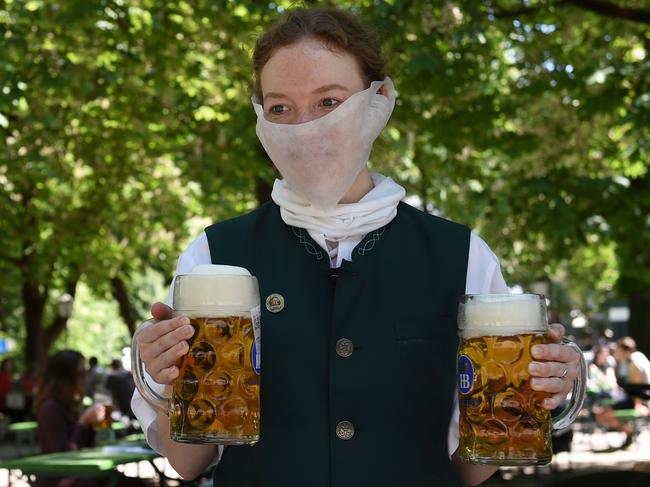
<point>219,270</point>
<point>211,287</point>
<point>502,314</point>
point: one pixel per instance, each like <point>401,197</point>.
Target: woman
<point>57,405</point>
<point>602,382</point>
<point>354,265</point>
<point>632,367</point>
<point>61,425</point>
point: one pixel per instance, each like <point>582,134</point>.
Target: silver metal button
<point>275,302</point>
<point>345,430</point>
<point>344,347</point>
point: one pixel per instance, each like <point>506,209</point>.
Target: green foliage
<point>533,128</point>
<point>127,125</point>
<point>95,329</point>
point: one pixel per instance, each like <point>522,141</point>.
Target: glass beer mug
<point>216,396</point>
<point>502,421</point>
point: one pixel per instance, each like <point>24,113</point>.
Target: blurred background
<point>126,127</point>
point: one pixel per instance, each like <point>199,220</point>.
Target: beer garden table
<point>90,462</point>
<point>25,433</point>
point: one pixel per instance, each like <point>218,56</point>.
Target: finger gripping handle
<point>577,394</point>
<point>155,399</point>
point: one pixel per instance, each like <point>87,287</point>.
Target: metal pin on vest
<point>275,302</point>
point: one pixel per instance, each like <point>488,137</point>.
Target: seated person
<point>632,367</point>
<point>120,384</point>
<point>6,386</point>
<point>61,426</point>
<point>601,381</point>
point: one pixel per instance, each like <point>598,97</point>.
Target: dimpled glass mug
<point>502,421</point>
<point>216,397</point>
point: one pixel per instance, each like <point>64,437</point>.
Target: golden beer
<point>502,419</point>
<point>216,394</point>
<point>108,419</point>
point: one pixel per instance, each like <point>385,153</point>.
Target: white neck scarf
<point>375,210</point>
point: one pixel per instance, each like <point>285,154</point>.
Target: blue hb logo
<point>465,374</point>
<point>254,359</point>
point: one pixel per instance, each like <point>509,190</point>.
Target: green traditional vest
<point>358,368</point>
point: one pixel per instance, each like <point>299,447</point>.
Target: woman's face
<point>620,354</point>
<point>306,80</point>
<point>601,356</point>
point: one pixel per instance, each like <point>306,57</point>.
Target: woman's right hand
<point>93,415</point>
<point>161,344</point>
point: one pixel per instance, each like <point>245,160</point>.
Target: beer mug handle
<point>577,394</point>
<point>156,400</point>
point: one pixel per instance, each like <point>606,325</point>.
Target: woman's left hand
<point>555,368</point>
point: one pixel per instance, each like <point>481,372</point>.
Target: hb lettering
<point>465,374</point>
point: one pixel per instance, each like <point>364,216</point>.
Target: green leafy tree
<point>90,190</point>
<point>528,120</point>
<point>127,125</point>
<point>581,100</point>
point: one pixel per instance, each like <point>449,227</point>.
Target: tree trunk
<point>633,249</point>
<point>34,305</point>
<point>39,339</point>
<point>640,320</point>
<point>127,311</point>
<point>611,10</point>
<point>59,323</point>
<point>51,333</point>
<point>600,7</point>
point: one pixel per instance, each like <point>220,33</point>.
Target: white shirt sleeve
<point>642,363</point>
<point>483,277</point>
<point>198,252</point>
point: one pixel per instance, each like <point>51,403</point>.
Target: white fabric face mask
<point>321,159</point>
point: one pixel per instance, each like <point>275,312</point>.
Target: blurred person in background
<point>62,424</point>
<point>602,376</point>
<point>119,383</point>
<point>95,377</point>
<point>632,367</point>
<point>6,373</point>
